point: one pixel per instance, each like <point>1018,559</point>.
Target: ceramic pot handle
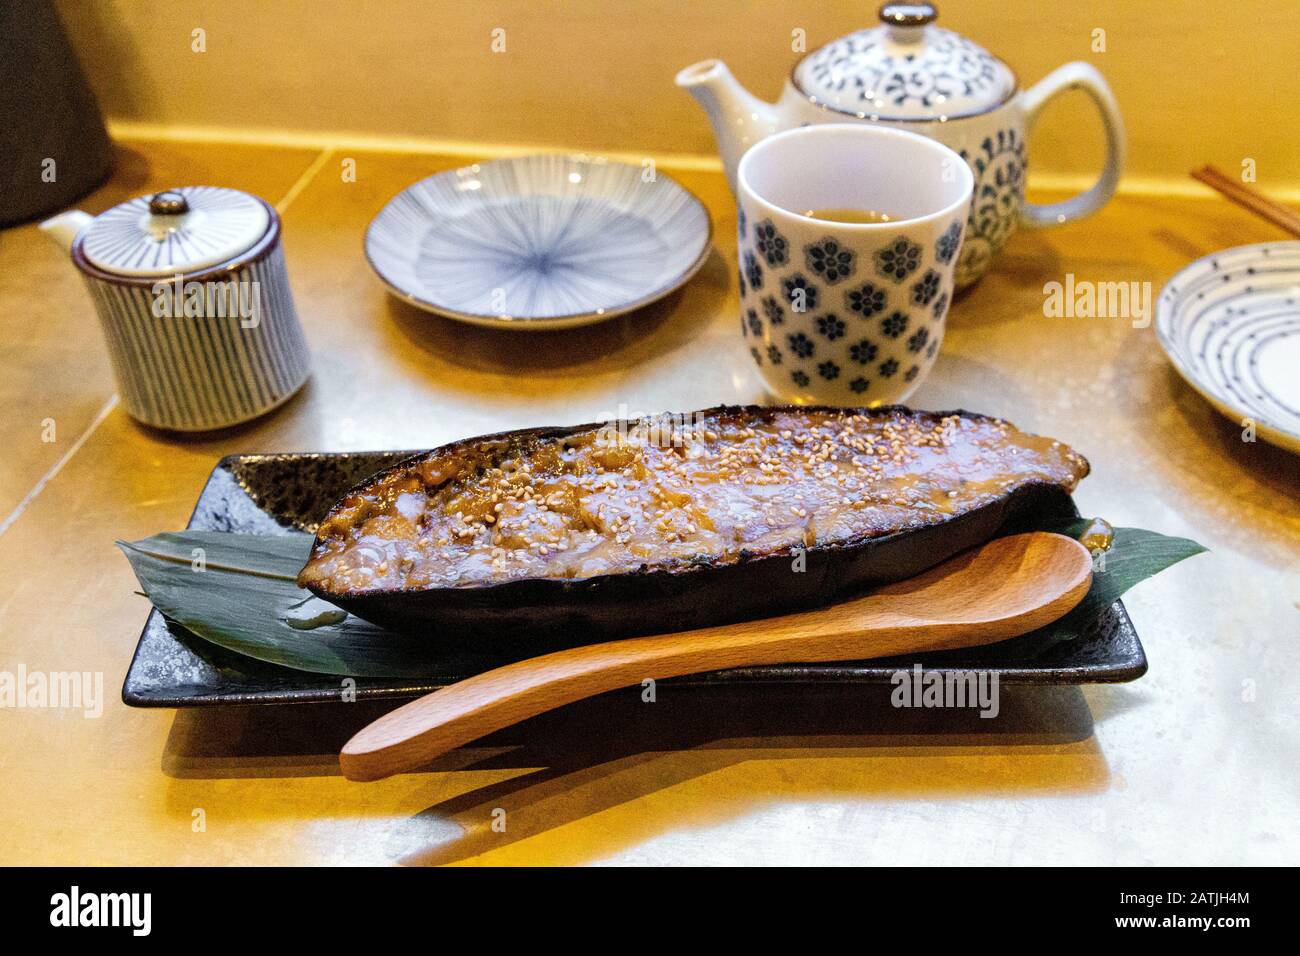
<point>1077,76</point>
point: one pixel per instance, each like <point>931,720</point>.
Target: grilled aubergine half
<point>571,535</point>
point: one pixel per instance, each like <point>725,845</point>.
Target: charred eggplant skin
<point>533,614</point>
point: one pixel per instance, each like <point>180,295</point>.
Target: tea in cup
<point>848,240</point>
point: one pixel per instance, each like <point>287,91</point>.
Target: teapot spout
<point>63,228</point>
<point>739,118</point>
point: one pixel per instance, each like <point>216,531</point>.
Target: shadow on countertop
<point>618,343</point>
<point>597,754</point>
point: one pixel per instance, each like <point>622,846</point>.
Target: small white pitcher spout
<point>739,118</point>
<point>63,228</point>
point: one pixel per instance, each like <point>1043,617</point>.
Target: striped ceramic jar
<point>196,344</point>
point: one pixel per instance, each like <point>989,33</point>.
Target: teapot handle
<point>1077,76</point>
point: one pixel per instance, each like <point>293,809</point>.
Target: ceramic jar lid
<point>906,68</point>
<point>175,232</point>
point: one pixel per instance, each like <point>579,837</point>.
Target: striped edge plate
<point>1230,323</point>
<point>539,242</point>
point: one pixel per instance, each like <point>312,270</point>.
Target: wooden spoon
<point>1005,588</point>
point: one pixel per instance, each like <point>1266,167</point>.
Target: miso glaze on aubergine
<point>678,521</point>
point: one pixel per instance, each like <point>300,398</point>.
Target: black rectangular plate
<point>276,494</point>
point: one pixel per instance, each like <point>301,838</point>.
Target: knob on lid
<point>168,204</point>
<point>906,68</point>
<point>908,14</point>
<point>175,232</point>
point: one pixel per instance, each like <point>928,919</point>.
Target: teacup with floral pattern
<point>848,313</point>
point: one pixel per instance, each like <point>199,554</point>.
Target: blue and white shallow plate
<point>1230,323</point>
<point>539,242</point>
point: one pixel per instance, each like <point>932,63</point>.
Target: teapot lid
<point>905,69</point>
<point>175,232</point>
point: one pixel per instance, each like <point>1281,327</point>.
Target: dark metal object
<point>168,204</point>
<point>908,14</point>
<point>52,138</point>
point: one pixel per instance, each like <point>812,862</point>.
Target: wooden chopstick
<point>1279,215</point>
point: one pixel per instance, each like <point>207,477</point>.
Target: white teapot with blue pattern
<point>914,75</point>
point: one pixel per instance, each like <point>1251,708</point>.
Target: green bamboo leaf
<point>237,591</point>
<point>266,555</point>
<point>1134,555</point>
